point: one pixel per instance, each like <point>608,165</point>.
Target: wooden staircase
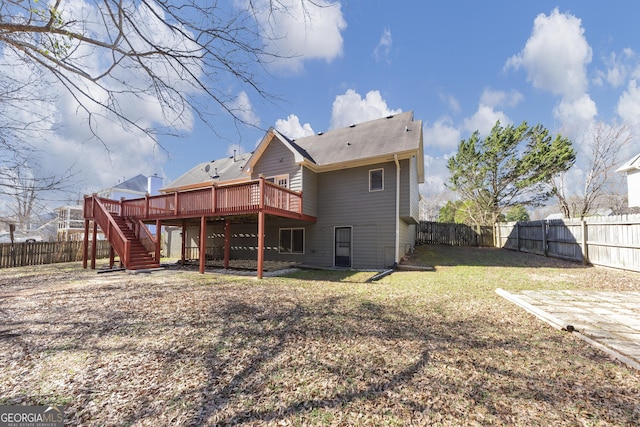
<point>129,237</point>
<point>139,257</point>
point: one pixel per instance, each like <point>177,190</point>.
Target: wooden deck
<point>257,197</point>
<point>236,199</point>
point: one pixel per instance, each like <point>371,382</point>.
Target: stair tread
<point>141,258</point>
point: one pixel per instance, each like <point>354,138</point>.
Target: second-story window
<point>376,180</point>
<point>281,180</point>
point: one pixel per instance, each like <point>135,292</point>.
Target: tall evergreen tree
<point>509,167</point>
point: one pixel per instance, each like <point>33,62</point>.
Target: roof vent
<point>320,133</point>
<point>352,125</point>
<point>348,143</point>
<point>406,128</point>
<point>390,116</point>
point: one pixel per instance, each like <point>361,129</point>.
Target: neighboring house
<point>132,188</point>
<point>71,218</point>
<point>632,169</point>
<point>345,198</point>
<point>359,188</point>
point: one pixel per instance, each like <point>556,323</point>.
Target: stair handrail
<point>112,231</point>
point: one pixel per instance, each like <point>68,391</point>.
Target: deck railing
<point>243,198</point>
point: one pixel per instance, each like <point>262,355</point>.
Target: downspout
<point>397,252</point>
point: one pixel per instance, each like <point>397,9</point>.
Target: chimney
<point>154,184</point>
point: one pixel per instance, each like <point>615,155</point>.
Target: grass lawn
<point>314,348</point>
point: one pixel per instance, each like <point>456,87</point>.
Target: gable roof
<point>138,183</point>
<point>227,169</point>
<point>387,136</point>
<point>631,165</point>
<point>358,144</point>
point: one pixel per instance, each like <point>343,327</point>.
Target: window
<point>281,180</point>
<point>281,199</point>
<point>291,241</point>
<point>376,180</point>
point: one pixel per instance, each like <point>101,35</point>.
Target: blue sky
<point>458,65</point>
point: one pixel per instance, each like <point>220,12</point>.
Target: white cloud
<point>576,115</point>
<point>436,175</point>
<point>629,104</point>
<point>242,108</point>
<point>619,68</point>
<point>351,108</point>
<point>451,102</point>
<point>382,50</point>
<point>442,134</point>
<point>556,55</point>
<point>296,31</point>
<point>498,98</point>
<point>484,119</point>
<point>291,127</point>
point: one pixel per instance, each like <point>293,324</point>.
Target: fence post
<point>518,236</point>
<point>585,248</point>
<point>544,237</point>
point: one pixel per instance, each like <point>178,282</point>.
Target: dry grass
<point>315,348</point>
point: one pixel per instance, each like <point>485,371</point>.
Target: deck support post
<point>94,237</point>
<point>261,229</point>
<point>203,243</point>
<point>227,242</point>
<point>183,248</point>
<point>158,239</point>
<point>112,257</point>
<point>85,246</point>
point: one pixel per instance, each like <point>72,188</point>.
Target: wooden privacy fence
<point>37,253</point>
<point>445,233</point>
<point>607,241</point>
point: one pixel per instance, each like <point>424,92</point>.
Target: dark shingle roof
<point>386,136</point>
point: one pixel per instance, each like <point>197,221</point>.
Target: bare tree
<point>432,201</point>
<point>181,54</point>
<point>601,183</point>
<point>25,193</point>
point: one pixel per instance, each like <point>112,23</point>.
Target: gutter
<point>397,252</point>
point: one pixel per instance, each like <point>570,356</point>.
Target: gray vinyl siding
<point>407,237</point>
<point>409,192</point>
<point>344,200</point>
<point>309,192</point>
<point>279,160</point>
<point>340,199</point>
<point>414,190</point>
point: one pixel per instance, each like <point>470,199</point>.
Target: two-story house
<point>347,198</point>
